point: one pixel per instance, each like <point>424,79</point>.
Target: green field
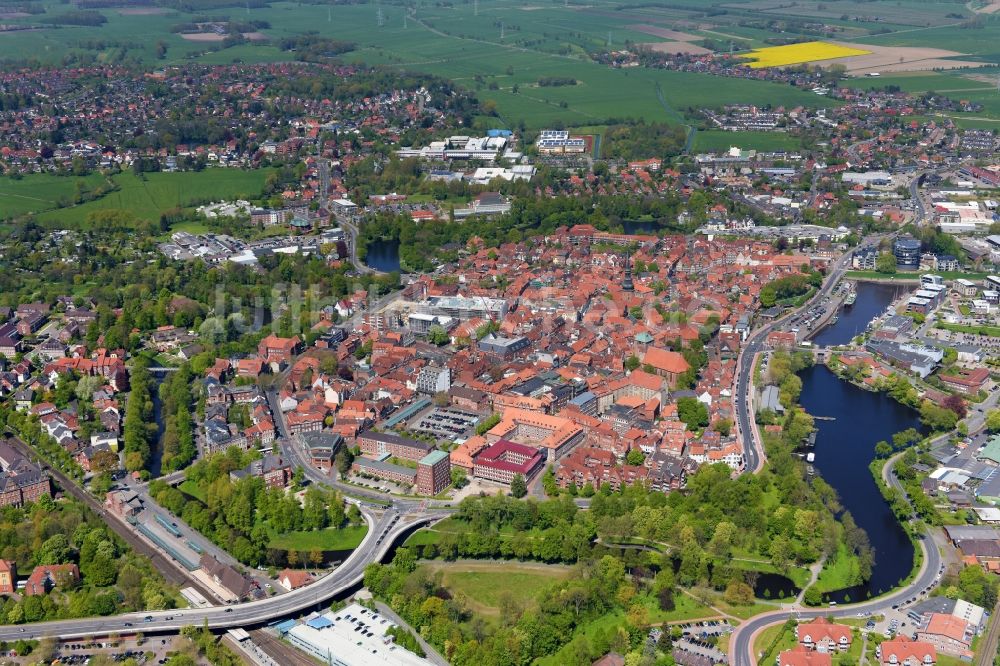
<point>840,571</point>
<point>345,538</point>
<point>718,140</point>
<point>37,192</point>
<point>484,583</point>
<point>916,82</point>
<point>193,489</point>
<point>457,42</point>
<point>991,331</point>
<point>150,195</point>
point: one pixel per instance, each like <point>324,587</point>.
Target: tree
<point>886,263</point>
<point>956,404</point>
<point>738,593</point>
<point>883,449</point>
<point>937,418</point>
<point>459,477</point>
<point>634,457</point>
<point>438,336</point>
<point>518,488</point>
<point>813,597</point>
<point>692,412</point>
<point>993,420</point>
<point>632,362</point>
<point>723,426</point>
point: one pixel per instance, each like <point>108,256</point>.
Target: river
<point>845,446</point>
<point>873,299</point>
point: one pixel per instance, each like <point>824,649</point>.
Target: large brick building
<point>433,473</point>
<point>273,349</point>
<point>502,461</point>
<point>379,443</point>
<point>20,480</point>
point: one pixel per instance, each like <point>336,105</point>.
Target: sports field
<point>716,140</point>
<point>796,54</point>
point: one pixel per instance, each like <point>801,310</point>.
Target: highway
<point>384,528</point>
<point>741,643</point>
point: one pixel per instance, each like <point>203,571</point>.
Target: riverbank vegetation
<point>673,546</point>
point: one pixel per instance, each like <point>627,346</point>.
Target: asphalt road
<point>383,530</point>
<point>753,450</point>
<point>741,644</point>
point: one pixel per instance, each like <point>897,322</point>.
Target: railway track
<point>169,569</point>
<point>282,653</point>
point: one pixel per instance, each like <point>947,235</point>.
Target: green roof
<point>992,450</point>
<point>433,458</point>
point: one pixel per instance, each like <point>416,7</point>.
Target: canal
<point>873,299</point>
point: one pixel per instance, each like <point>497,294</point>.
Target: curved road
<point>382,533</point>
<point>741,643</point>
<point>753,450</point>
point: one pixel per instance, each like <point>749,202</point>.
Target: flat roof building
<point>352,636</point>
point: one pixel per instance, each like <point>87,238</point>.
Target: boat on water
<point>810,457</point>
<point>834,319</point>
<point>810,471</point>
<point>852,297</point>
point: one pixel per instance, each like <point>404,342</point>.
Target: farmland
<point>501,48</point>
<point>795,54</point>
<point>150,195</point>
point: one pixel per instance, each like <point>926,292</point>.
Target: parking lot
<point>446,423</point>
<point>701,638</point>
<point>149,651</point>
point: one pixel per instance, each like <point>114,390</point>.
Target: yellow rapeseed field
<point>794,54</point>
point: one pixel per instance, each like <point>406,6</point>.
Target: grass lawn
<point>345,538</point>
<point>839,572</point>
<point>193,489</point>
<point>685,608</point>
<point>484,582</point>
<point>149,196</point>
<point>38,192</point>
<point>746,612</point>
<point>992,331</point>
<point>785,641</point>
<point>913,277</point>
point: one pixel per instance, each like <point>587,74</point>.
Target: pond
<point>383,256</point>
